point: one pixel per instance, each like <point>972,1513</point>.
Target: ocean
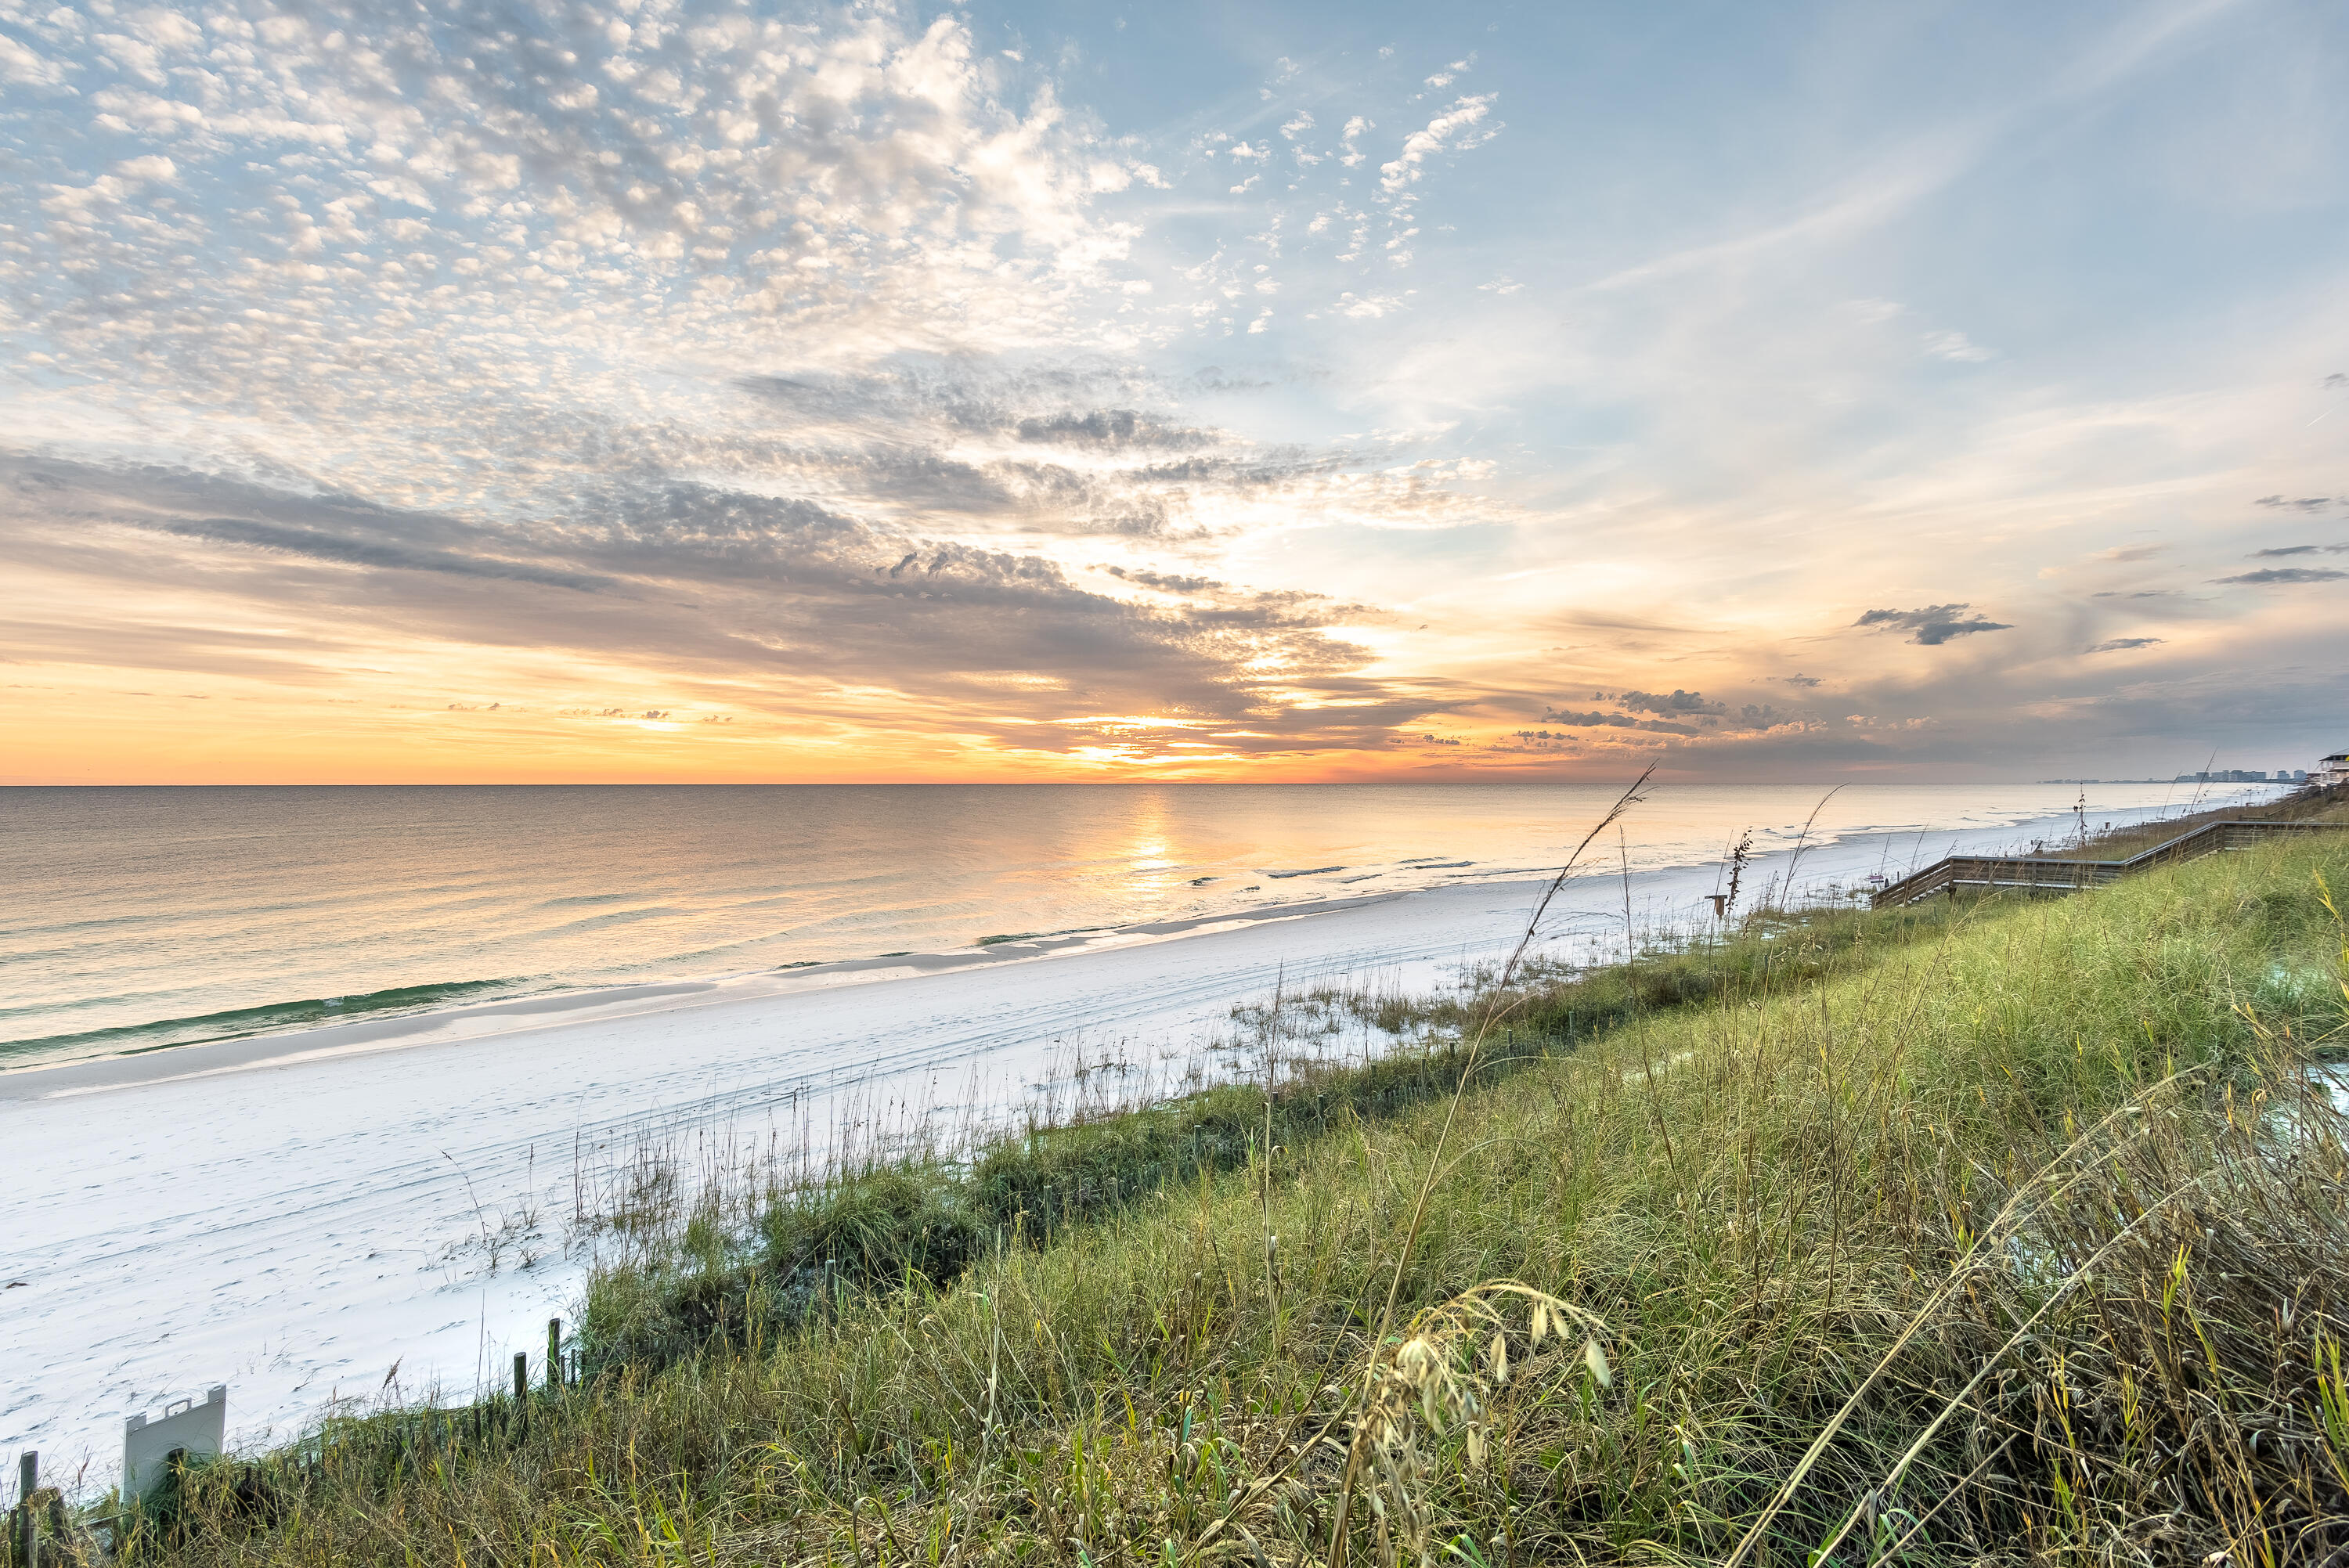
<point>138,919</point>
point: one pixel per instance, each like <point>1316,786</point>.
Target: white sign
<point>194,1430</point>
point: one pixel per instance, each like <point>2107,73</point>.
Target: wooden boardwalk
<point>2040,873</point>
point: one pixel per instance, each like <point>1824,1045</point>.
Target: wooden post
<point>554,1353</point>
<point>28,1528</point>
<point>522,1376</point>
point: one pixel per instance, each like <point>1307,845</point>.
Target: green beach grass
<point>2004,1231</point>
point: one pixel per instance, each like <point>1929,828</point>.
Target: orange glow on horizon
<point>238,733</point>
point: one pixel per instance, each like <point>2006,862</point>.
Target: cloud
<point>154,168</point>
<point>829,351</point>
<point>24,65</point>
<point>2122,645</point>
<point>935,435</point>
<point>2301,550</point>
<point>1166,582</point>
<point>1598,719</point>
<point>2278,575</point>
<point>1932,625</point>
<point>485,221</point>
<point>1675,702</point>
<point>782,592</point>
<point>1954,346</point>
<point>1454,130</point>
<point>2303,504</point>
<point>344,548</point>
<point>1111,429</point>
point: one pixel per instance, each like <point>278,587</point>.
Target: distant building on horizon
<point>2243,775</point>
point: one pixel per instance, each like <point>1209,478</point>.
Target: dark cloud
<point>2301,550</point>
<point>1677,712</point>
<point>2122,645</point>
<point>1164,582</point>
<point>948,436</point>
<point>2275,574</point>
<point>1671,705</point>
<point>2301,503</point>
<point>1932,625</point>
<point>1596,719</point>
<point>1806,682</point>
<point>323,545</point>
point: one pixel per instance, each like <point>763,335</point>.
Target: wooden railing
<point>2041,874</point>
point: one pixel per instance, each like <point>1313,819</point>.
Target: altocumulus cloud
<point>431,276</point>
<point>413,177</point>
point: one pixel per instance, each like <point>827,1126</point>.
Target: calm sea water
<point>137,918</point>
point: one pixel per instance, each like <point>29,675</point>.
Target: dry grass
<point>2014,1236</point>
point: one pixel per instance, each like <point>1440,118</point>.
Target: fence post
<point>554,1353</point>
<point>28,1525</point>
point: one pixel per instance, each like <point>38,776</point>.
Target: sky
<point>687,390</point>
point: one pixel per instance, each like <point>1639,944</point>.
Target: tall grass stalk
<point>1499,1004</point>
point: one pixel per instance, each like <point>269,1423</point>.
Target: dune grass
<point>2003,1231</point>
<point>2105,842</point>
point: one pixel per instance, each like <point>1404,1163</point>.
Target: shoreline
<point>394,1025</point>
<point>481,1020</point>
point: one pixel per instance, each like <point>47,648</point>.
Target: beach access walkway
<point>2048,873</point>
